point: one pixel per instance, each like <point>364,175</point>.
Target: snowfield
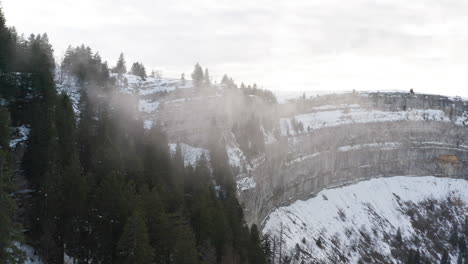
<point>338,217</point>
<point>321,119</point>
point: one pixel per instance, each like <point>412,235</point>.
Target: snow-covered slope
<point>353,222</point>
<point>352,115</point>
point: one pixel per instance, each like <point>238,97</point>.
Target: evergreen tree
<point>159,227</point>
<point>138,69</point>
<point>178,169</point>
<point>134,244</point>
<point>114,203</point>
<point>6,48</point>
<point>185,251</point>
<point>9,230</point>
<point>197,76</point>
<point>256,253</point>
<point>121,67</point>
<point>73,184</point>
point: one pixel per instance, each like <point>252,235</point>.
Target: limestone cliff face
<point>368,136</point>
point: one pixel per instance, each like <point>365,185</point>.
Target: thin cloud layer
<point>289,45</point>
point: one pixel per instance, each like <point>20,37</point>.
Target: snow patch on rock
<point>246,183</point>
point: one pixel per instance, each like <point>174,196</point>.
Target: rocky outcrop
<point>405,134</point>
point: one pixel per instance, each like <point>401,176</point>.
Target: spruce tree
<point>121,67</point>
<point>185,251</point>
<point>6,45</point>
<point>9,230</point>
<point>159,227</point>
<point>178,169</point>
<point>197,76</point>
<point>138,69</point>
<point>73,185</point>
<point>134,244</point>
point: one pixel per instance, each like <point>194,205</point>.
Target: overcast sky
<point>287,45</point>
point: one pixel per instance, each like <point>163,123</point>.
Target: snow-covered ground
<point>340,216</point>
<point>237,157</point>
<point>381,146</point>
<point>69,85</point>
<point>151,85</point>
<point>148,106</point>
<point>190,153</point>
<point>31,255</point>
<point>246,183</point>
<point>23,132</point>
<point>354,115</point>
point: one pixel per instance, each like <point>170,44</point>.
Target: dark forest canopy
<point>106,190</point>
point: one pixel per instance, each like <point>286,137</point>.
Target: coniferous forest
<point>103,189</point>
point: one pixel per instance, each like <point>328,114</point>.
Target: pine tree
<point>9,231</point>
<point>159,227</point>
<point>74,186</point>
<point>6,47</point>
<point>138,69</point>
<point>113,203</point>
<point>134,244</point>
<point>185,251</point>
<point>197,76</point>
<point>256,254</point>
<point>178,169</point>
<point>121,67</point>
